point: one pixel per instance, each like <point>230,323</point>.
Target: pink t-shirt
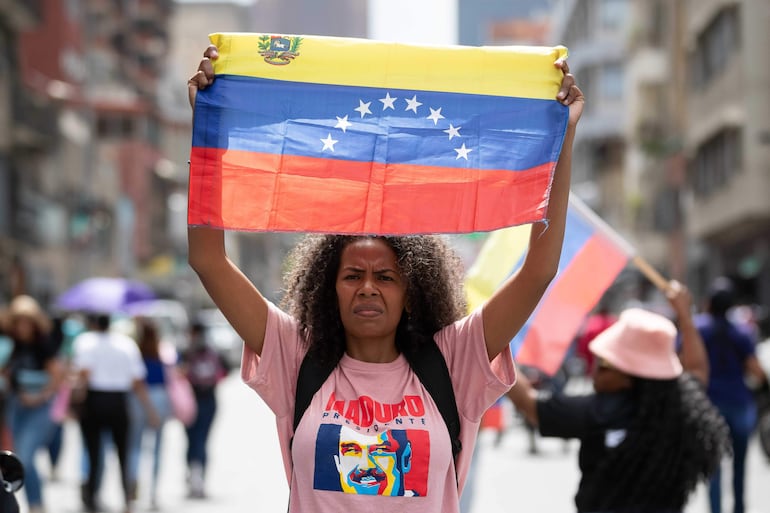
<point>372,438</point>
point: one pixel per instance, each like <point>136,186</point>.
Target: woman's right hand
<point>204,77</point>
<point>569,93</point>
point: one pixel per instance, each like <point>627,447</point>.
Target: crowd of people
<point>699,375</point>
<point>111,374</point>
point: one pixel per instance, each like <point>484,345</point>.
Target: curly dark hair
<point>432,270</point>
<point>676,439</point>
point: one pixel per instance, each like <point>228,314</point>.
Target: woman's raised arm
<point>233,293</point>
<point>508,309</point>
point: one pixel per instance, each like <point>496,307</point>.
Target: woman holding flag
<point>648,434</point>
<point>362,302</point>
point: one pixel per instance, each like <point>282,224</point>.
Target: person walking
<point>361,303</point>
<point>55,440</point>
<point>109,366</point>
<point>149,342</point>
<point>732,356</point>
<point>648,433</point>
<point>204,368</point>
<point>33,372</point>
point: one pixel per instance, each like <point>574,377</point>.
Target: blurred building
<point>495,22</point>
<point>656,80</point>
<point>86,193</point>
<point>25,131</point>
<point>342,18</point>
<point>533,32</point>
<point>727,143</point>
<point>188,30</point>
<point>596,34</point>
<point>673,145</point>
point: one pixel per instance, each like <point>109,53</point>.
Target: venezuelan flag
<point>592,257</point>
<point>323,134</point>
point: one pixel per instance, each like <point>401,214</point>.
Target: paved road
<point>246,474</point>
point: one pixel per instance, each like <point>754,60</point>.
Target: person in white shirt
<point>108,366</point>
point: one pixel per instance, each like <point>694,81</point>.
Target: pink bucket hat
<point>641,343</point>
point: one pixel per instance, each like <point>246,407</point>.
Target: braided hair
<point>431,269</point>
<point>676,439</point>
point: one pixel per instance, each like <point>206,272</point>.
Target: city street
<point>162,162</point>
<point>246,474</point>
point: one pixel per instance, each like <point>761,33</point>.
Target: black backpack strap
<point>312,375</point>
<point>429,364</point>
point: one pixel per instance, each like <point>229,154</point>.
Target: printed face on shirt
<point>389,463</point>
<point>371,292</point>
<point>372,465</point>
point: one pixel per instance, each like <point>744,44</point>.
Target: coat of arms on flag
<point>279,50</point>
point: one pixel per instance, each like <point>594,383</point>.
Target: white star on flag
<point>435,115</point>
<point>387,102</point>
<point>343,123</point>
<point>363,108</point>
<point>329,143</point>
<point>463,152</point>
<point>413,104</point>
<point>453,131</point>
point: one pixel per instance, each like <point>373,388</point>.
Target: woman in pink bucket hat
<point>648,433</point>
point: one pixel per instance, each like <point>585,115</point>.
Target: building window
<point>612,14</point>
<point>716,44</point>
<point>589,84</point>
<point>657,26</point>
<point>717,161</point>
<point>115,127</point>
<point>578,28</point>
<point>667,214</point>
<point>612,81</point>
<point>6,197</point>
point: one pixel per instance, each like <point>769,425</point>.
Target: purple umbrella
<point>103,295</point>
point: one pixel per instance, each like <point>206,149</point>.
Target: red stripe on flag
<point>240,190</point>
<point>564,307</point>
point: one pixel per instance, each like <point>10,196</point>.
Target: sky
<point>414,21</point>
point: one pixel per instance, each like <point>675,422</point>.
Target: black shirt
<point>598,420</point>
<point>27,366</point>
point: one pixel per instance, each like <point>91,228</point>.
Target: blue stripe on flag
<point>270,116</point>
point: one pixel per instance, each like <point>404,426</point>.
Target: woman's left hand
<point>569,93</point>
<point>204,77</point>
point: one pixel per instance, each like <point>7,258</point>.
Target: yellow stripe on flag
<point>517,71</point>
<point>495,262</point>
